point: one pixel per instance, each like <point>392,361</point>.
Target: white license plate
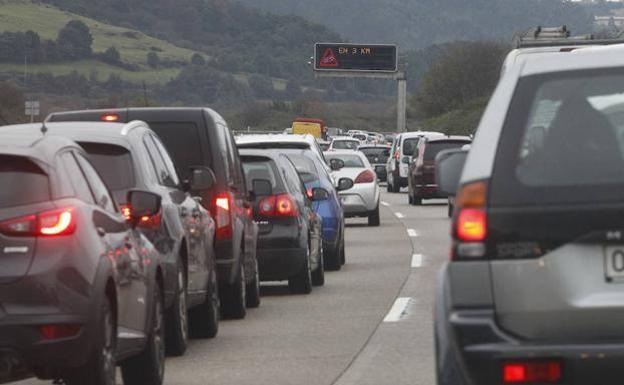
<point>614,263</point>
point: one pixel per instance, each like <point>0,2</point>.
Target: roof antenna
<point>44,129</point>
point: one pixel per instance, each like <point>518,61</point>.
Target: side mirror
<point>143,205</point>
<point>344,184</point>
<point>449,166</point>
<point>202,178</point>
<point>336,164</point>
<point>261,187</point>
<point>319,194</point>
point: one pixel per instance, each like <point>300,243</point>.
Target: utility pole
<point>402,102</point>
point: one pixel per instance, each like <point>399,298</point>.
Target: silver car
<point>362,200</point>
<point>534,291</point>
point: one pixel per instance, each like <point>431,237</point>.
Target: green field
<point>47,21</point>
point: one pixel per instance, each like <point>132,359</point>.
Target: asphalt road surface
<point>369,324</point>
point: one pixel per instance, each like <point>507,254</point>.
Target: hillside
<point>420,23</point>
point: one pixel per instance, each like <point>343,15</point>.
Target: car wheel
<point>100,368</point>
<point>416,199</point>
<point>451,208</point>
<point>343,258</point>
<point>373,217</point>
<point>177,317</point>
<point>253,288</point>
<point>318,276</point>
<point>332,258</point>
<point>234,296</point>
<point>389,186</point>
<point>302,282</point>
<point>148,367</point>
<point>410,197</point>
<point>204,319</point>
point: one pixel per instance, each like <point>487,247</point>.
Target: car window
<point>238,177</point>
<point>409,145</point>
<point>223,151</point>
<point>166,158</point>
<point>305,167</point>
<point>564,139</point>
<point>183,142</point>
<point>292,177</point>
<point>113,163</point>
<point>98,188</point>
<point>22,181</point>
<point>345,145</point>
<point>261,168</point>
<point>376,154</point>
<point>78,180</point>
<point>348,159</point>
<point>164,178</point>
<point>433,148</point>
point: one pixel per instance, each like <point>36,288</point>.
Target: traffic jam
<point>127,235</point>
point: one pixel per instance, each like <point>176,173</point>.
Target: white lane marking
<point>417,260</point>
<point>399,215</point>
<point>398,309</point>
<point>412,233</point>
<point>384,203</point>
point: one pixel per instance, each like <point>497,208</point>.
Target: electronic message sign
<point>355,57</point>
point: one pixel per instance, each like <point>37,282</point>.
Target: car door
<point>125,243</point>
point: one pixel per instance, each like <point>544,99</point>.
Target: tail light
<point>110,117</point>
<point>397,155</point>
<point>222,207</point>
<point>125,210</point>
<point>57,332</point>
<point>470,221</point>
<point>366,176</point>
<point>46,223</point>
<point>531,372</point>
<point>152,222</point>
<point>310,193</point>
<point>281,205</point>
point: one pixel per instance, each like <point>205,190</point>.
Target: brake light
<point>366,176</point>
<point>470,221</point>
<point>110,117</point>
<point>531,372</point>
<point>471,225</point>
<point>310,193</point>
<point>125,210</point>
<point>47,223</point>
<point>56,332</point>
<point>280,205</point>
<point>397,155</point>
<point>223,218</point>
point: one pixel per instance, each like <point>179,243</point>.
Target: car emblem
<point>376,159</point>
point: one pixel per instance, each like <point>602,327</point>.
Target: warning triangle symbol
<point>328,59</point>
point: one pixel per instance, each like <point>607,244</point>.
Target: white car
<point>344,143</point>
<point>285,141</point>
<point>362,200</point>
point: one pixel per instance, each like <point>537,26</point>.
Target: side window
<point>99,189</point>
<point>166,158</point>
<point>223,149</point>
<point>237,169</point>
<point>291,177</point>
<point>78,181</point>
<point>157,161</point>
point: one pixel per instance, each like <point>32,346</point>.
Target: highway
<point>370,324</point>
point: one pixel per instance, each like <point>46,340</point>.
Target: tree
<point>111,56</point>
<point>11,104</point>
<point>75,40</point>
<point>261,86</point>
<point>153,60</point>
<point>293,89</point>
<point>198,59</point>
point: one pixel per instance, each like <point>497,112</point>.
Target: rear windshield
<point>348,159</point>
<point>183,142</point>
<point>22,181</point>
<point>563,140</point>
<point>305,167</point>
<point>433,148</point>
<point>376,154</point>
<point>409,145</point>
<point>261,168</point>
<point>360,136</point>
<point>113,163</point>
<point>345,144</point>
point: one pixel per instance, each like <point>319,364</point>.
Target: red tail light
<point>223,217</point>
<point>110,117</point>
<point>366,176</point>
<point>309,192</point>
<point>531,372</point>
<point>472,225</point>
<point>56,332</point>
<point>280,205</point>
<point>470,221</point>
<point>125,210</point>
<point>397,155</point>
<point>47,223</point>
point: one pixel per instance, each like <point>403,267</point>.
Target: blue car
<point>307,158</point>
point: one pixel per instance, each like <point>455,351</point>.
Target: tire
<point>253,289</point>
<point>451,207</point>
<point>100,368</point>
<point>302,282</point>
<point>233,296</point>
<point>373,217</point>
<point>343,258</point>
<point>148,367</point>
<point>177,326</point>
<point>416,199</point>
<point>332,258</point>
<point>388,186</point>
<point>204,319</point>
<point>410,198</point>
<point>318,276</point>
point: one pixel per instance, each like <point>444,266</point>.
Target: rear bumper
<point>280,264</point>
<point>429,191</point>
<point>360,200</point>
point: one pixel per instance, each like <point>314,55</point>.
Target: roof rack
<point>558,37</point>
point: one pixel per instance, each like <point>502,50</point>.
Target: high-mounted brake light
<point>532,372</point>
<point>47,223</point>
<point>223,216</point>
<point>110,117</point>
<point>366,176</point>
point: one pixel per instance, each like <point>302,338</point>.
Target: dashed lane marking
<point>398,309</point>
<point>412,233</point>
<point>384,203</point>
<point>417,260</point>
<point>399,215</point>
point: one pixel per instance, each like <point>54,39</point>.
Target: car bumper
<point>380,170</point>
<point>360,200</point>
<point>429,191</point>
<point>280,263</point>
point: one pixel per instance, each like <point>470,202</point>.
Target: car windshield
<point>350,160</point>
<point>409,145</point>
<point>433,148</point>
<point>345,144</point>
<point>113,163</point>
<point>376,154</point>
<point>22,181</point>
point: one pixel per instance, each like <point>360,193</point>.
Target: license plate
<point>614,263</point>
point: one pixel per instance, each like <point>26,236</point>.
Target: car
<point>362,200</point>
<point>82,288</point>
<point>397,167</point>
<point>315,173</point>
<point>362,137</point>
<point>421,177</point>
<point>532,293</point>
<point>324,145</point>
<point>344,143</point>
<point>290,243</point>
<point>377,155</point>
<point>201,137</point>
<point>130,156</point>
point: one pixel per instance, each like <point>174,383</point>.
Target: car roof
<point>451,138</point>
<point>343,152</point>
<point>418,134</point>
<point>274,139</point>
<point>374,145</point>
<point>29,141</point>
<point>346,137</point>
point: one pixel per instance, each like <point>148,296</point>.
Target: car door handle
<point>101,232</point>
